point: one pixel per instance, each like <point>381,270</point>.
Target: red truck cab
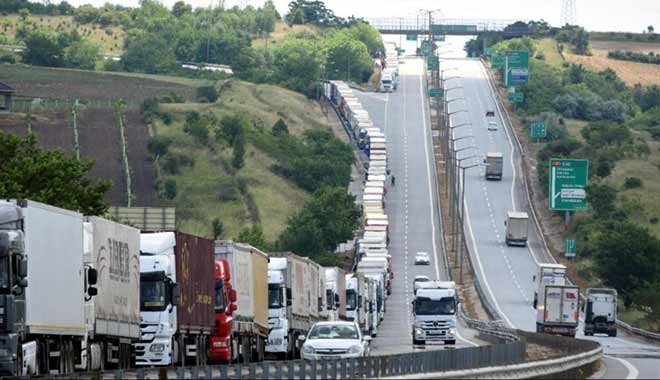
<point>224,306</point>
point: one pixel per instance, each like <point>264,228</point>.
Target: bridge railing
<point>421,24</point>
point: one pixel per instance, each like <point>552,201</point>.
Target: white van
<point>386,84</point>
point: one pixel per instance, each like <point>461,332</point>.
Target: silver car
<point>335,340</point>
<point>422,258</point>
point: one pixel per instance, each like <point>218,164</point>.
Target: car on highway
<point>335,340</point>
<point>490,113</point>
<point>417,282</point>
<point>422,258</point>
<point>492,126</point>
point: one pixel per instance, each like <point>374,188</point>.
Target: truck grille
<point>147,332</point>
<point>331,351</point>
<point>435,325</point>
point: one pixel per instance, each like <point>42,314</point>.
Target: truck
<point>42,305</point>
<point>386,84</point>
<point>434,313</point>
<point>558,310</point>
<point>494,163</point>
<point>376,269</point>
<point>177,281</point>
<point>335,290</point>
<point>547,274</point>
<point>516,228</point>
<point>240,303</point>
<point>357,301</point>
<point>600,314</point>
<point>113,316</point>
<point>293,302</point>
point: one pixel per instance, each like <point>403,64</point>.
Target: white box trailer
<point>48,315</point>
<point>560,311</point>
<point>374,190</point>
<point>113,316</point>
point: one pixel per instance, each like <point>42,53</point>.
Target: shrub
<point>170,188</point>
<point>228,190</point>
<point>7,58</point>
<point>174,161</point>
<point>280,127</point>
<point>632,183</point>
<point>158,145</point>
<point>207,92</point>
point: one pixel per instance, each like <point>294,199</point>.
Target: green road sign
<point>568,180</point>
<point>450,29</point>
<point>440,38</point>
<point>432,63</point>
<point>435,92</point>
<point>426,49</point>
<point>516,67</point>
<point>538,130</point>
<point>518,59</point>
<point>489,51</point>
<point>570,247</point>
<point>497,61</point>
<point>515,97</point>
<point>411,37</point>
<point>516,76</point>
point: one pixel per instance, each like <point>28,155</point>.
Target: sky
<point>598,15</point>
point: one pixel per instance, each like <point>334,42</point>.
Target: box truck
<point>335,289</point>
<point>42,301</point>
<point>558,310</point>
<point>177,280</point>
<point>516,228</point>
<point>494,164</point>
<point>547,274</point>
<point>241,303</point>
<point>600,313</point>
<point>113,316</point>
<point>293,302</point>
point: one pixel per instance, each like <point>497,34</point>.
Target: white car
<point>335,340</point>
<point>422,258</point>
<point>492,126</point>
<point>417,282</point>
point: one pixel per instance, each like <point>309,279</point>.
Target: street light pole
<point>455,204</point>
<point>461,246</point>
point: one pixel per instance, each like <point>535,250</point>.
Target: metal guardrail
<point>413,363</point>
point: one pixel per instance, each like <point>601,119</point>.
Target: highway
<point>506,272</point>
<point>411,203</point>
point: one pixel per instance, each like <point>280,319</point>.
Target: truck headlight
<point>157,347</point>
<point>308,349</point>
<point>355,349</point>
<point>452,331</point>
<point>419,331</point>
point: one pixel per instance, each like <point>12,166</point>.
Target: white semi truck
<point>434,311</point>
<point>335,290</point>
<point>600,313</point>
<point>516,228</point>
<point>556,303</point>
<point>293,301</point>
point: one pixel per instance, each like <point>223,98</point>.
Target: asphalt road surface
<point>506,272</point>
<point>411,203</point>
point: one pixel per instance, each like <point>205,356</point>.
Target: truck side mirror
<point>92,276</point>
<point>288,297</point>
<point>505,222</point>
<point>92,291</point>
<point>176,294</point>
<point>337,300</point>
<point>359,302</point>
<point>232,295</point>
<point>23,268</point>
<point>4,244</point>
<point>320,304</point>
<point>534,278</point>
<point>231,308</point>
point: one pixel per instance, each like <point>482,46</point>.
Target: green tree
<point>369,36</point>
<point>48,176</point>
<point>297,63</point>
<point>231,127</point>
<point>280,127</point>
<point>627,257</point>
<point>330,217</point>
<point>601,199</point>
<point>196,127</point>
<point>347,58</point>
<point>254,236</point>
<point>43,49</point>
<point>218,228</point>
<point>82,55</point>
<point>238,152</point>
<point>148,52</point>
<point>170,188</point>
<point>180,9</point>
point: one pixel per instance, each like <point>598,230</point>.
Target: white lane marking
<point>481,269</point>
<point>633,372</point>
<point>428,174</point>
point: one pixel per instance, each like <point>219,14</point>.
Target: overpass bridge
<point>448,26</point>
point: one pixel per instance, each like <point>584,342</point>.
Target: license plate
<point>328,357</point>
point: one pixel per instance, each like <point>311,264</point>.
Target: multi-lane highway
<point>411,203</point>
<point>506,272</point>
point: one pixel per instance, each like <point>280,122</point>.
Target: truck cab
<point>517,225</point>
<point>600,313</point>
<point>279,302</point>
<point>224,307</point>
<point>434,311</point>
<point>355,301</point>
<point>159,297</point>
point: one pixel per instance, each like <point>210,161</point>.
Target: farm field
<point>630,72</point>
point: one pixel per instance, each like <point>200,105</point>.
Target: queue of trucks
<point>389,75</point>
<point>83,293</point>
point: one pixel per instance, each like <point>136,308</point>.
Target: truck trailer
<point>558,311</point>
<point>516,228</point>
<point>241,303</point>
<point>494,165</point>
<point>176,299</point>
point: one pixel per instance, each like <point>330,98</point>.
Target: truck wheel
<point>450,342</point>
<point>612,334</point>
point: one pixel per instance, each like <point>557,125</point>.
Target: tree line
<point>649,57</point>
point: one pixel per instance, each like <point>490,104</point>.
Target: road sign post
<point>570,247</point>
<point>411,37</point>
<point>538,130</point>
<point>435,92</point>
<point>568,181</point>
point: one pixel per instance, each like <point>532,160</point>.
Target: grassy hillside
<point>110,39</point>
<point>282,29</point>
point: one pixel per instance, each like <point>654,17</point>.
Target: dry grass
<point>548,47</point>
<point>639,47</point>
<point>111,42</point>
<point>574,127</point>
<point>630,72</point>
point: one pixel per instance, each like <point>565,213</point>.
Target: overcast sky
<point>602,15</point>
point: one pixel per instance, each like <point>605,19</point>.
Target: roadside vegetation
<point>596,115</point>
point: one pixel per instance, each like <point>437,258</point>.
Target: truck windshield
<point>5,285</point>
<point>153,295</point>
<point>219,296</point>
<point>351,300</point>
<point>443,306</point>
<point>385,81</point>
<point>274,297</point>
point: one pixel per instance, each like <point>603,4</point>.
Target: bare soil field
<point>45,82</point>
<point>640,47</point>
<point>630,72</point>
